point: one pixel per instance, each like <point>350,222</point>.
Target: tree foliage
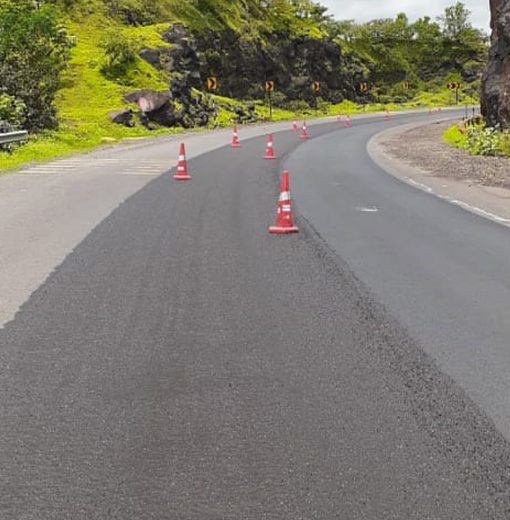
<point>33,52</point>
<point>424,49</point>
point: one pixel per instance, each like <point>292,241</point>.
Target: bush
<point>505,144</point>
<point>34,50</point>
<point>483,141</point>
<point>12,112</point>
<point>120,52</point>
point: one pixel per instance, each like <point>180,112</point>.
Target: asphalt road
<point>441,271</point>
<point>182,363</point>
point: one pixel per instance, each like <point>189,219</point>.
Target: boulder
<point>495,97</point>
<point>122,117</point>
<point>148,100</point>
<point>164,115</point>
<point>152,57</point>
<point>176,33</point>
<point>154,106</point>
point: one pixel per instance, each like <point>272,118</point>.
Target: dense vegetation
<point>424,53</point>
<point>34,49</point>
<point>78,58</point>
<point>478,139</point>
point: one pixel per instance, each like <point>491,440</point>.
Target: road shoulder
<point>470,192</point>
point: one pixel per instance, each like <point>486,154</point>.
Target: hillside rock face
<point>242,66</point>
<point>496,80</point>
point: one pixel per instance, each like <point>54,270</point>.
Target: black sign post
<point>454,86</point>
<point>316,87</point>
<point>269,87</point>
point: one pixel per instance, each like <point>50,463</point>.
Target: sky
<point>364,10</point>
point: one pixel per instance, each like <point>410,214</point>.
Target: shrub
<point>34,50</point>
<point>483,140</point>
<point>12,112</point>
<point>120,52</point>
<point>505,144</point>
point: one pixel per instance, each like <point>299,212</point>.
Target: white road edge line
<point>384,162</point>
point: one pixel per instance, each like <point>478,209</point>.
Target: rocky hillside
<point>295,43</point>
<point>243,45</point>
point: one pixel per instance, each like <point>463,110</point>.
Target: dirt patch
<point>423,147</point>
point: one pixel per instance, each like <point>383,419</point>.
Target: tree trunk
<point>496,81</point>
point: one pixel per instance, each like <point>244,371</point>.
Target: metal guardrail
<point>13,137</point>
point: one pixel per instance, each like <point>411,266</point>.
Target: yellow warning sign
<point>269,86</point>
<point>212,83</point>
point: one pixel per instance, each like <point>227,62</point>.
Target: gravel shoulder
<point>416,154</point>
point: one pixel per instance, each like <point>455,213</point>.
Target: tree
<point>34,50</point>
<point>455,20</point>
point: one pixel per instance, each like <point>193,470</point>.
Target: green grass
<point>87,96</point>
<point>455,137</point>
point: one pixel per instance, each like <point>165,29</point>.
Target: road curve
<point>182,363</point>
<point>441,271</point>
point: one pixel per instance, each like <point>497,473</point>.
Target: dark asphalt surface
<point>182,363</point>
<point>442,272</point>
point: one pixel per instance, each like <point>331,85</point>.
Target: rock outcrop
<point>293,64</point>
<point>496,81</point>
<point>122,117</point>
<point>178,106</point>
<point>243,65</point>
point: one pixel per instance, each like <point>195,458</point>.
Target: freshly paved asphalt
<point>184,364</point>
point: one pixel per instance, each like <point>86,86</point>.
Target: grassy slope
<point>87,96</point>
<point>455,137</point>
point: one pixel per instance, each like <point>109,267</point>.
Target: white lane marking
<point>368,210</point>
<point>476,209</point>
<point>48,168</point>
<point>462,204</point>
<point>420,185</point>
<point>140,172</point>
<point>45,169</point>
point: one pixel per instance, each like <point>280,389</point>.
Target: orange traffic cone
<point>348,121</point>
<point>182,167</point>
<point>430,111</point>
<point>294,126</point>
<point>235,138</point>
<point>304,132</point>
<point>284,223</point>
<point>386,115</point>
<point>269,150</point>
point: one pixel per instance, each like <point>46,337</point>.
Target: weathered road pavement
<point>181,363</point>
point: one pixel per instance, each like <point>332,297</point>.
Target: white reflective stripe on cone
<point>284,196</point>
